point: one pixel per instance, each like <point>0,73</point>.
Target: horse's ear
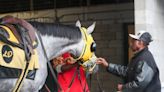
<point>91,28</point>
<point>78,24</point>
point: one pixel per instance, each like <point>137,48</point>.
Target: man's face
<point>135,45</point>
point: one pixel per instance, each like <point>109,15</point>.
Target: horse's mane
<point>58,30</point>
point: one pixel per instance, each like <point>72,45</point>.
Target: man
<point>142,73</point>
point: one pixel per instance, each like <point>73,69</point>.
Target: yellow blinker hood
<point>88,39</point>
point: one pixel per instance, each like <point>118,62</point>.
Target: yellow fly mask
<point>90,45</point>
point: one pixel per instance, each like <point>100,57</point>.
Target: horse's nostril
<point>93,47</point>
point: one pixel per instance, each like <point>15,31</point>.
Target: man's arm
<point>117,69</point>
<point>64,67</point>
<point>113,68</point>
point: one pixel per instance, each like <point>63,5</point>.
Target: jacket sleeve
<point>143,76</point>
<point>117,69</point>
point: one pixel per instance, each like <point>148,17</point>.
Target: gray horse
<point>57,39</point>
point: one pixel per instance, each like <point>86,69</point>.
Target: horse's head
<point>88,46</point>
<point>58,39</point>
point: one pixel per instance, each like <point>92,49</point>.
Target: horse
<point>56,39</point>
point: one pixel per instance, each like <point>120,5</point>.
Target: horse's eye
<point>93,47</point>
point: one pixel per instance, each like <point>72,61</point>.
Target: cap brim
<point>133,36</point>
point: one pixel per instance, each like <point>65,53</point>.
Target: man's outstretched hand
<point>102,61</point>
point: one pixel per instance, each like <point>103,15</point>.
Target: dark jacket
<point>142,73</point>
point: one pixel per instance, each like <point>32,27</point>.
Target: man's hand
<point>70,60</point>
<point>119,87</point>
<point>102,61</point>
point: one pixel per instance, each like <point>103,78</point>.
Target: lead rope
<point>84,89</point>
<point>73,78</point>
<point>48,90</point>
<point>49,64</point>
<point>99,83</point>
<point>90,81</point>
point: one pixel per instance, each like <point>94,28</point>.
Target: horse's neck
<point>58,38</point>
<point>55,46</point>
